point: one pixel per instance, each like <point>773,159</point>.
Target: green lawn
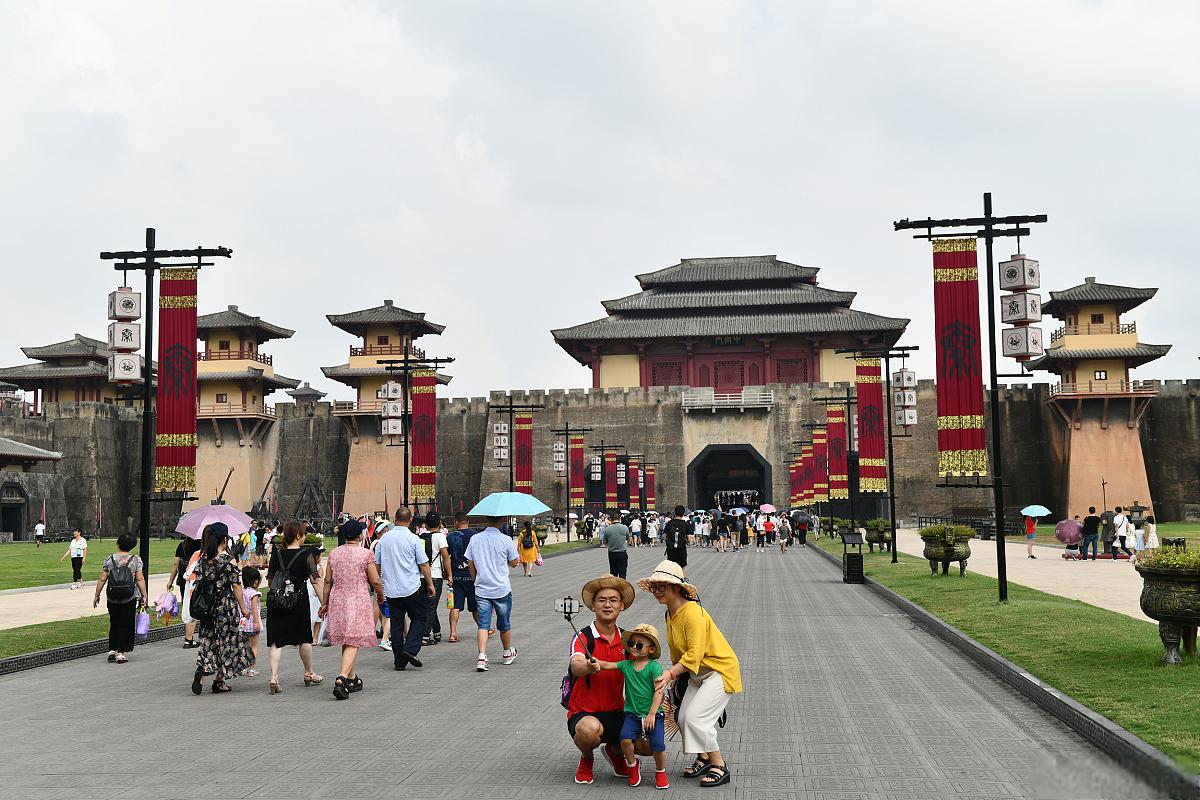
<point>31,638</point>
<point>559,547</point>
<point>23,564</point>
<point>1107,661</point>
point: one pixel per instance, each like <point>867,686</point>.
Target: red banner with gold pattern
<point>523,451</point>
<point>794,481</point>
<point>633,478</point>
<point>610,479</point>
<point>806,474</point>
<point>175,428</point>
<point>962,449</point>
<point>872,426</point>
<point>575,455</point>
<point>839,467</point>
<point>424,436</point>
<point>820,465</point>
<point>651,499</point>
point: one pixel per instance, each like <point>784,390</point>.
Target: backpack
<point>122,581</point>
<point>569,680</point>
<point>527,540</point>
<point>456,543</point>
<point>282,594</point>
<point>204,597</point>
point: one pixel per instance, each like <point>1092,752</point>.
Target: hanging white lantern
<point>124,337</point>
<point>124,305</point>
<point>904,398</point>
<point>1020,273</point>
<point>500,453</point>
<point>392,409</point>
<point>1022,343</point>
<point>904,417</point>
<point>904,378</point>
<point>1021,308</point>
<point>392,427</point>
<point>392,390</point>
<point>500,427</point>
<point>124,368</point>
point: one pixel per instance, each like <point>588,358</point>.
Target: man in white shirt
<point>403,566</point>
<point>1124,533</point>
<point>490,554</point>
<point>437,548</point>
<point>39,533</point>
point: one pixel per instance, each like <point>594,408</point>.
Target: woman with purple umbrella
<point>1070,533</point>
<point>222,653</point>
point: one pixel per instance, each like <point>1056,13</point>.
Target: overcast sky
<point>504,167</point>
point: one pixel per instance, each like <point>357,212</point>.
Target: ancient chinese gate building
<point>726,323</point>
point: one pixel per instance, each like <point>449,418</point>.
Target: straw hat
<point>668,571</point>
<point>588,592</point>
<point>649,631</point>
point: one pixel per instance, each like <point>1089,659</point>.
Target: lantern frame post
<point>988,233</point>
<point>566,431</point>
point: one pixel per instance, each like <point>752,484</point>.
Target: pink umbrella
<point>767,507</point>
<point>1069,531</point>
<point>192,523</point>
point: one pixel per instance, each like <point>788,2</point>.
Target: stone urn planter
<point>878,534</point>
<point>1171,595</point>
<point>946,543</point>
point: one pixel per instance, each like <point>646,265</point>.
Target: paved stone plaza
<point>845,699</point>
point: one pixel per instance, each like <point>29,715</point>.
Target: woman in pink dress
<point>350,575</point>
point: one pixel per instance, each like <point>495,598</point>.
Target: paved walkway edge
<point>1139,757</point>
<point>67,652</point>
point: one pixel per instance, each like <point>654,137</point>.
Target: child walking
<point>643,704</point>
<point>251,625</point>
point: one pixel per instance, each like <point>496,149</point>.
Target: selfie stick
<point>567,614</point>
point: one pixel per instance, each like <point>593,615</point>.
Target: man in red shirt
<point>595,710</point>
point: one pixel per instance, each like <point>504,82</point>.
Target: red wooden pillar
<point>595,361</point>
<point>690,369</point>
<point>768,375</point>
<point>643,379</point>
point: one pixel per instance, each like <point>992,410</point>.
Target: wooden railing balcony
<point>386,350</point>
<point>357,406</point>
<point>235,410</point>
<point>233,355</point>
<point>1093,330</point>
<point>709,400</point>
<point>1103,388</point>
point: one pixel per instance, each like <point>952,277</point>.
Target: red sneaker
<point>584,773</point>
<point>660,780</point>
<point>635,772</point>
<point>620,768</point>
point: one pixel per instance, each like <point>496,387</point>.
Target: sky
<point>504,167</point>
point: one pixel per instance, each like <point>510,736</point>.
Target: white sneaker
<point>509,656</point>
<point>482,664</point>
<point>385,644</point>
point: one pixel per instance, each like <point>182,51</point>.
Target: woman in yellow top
<point>700,651</point>
<point>527,549</point>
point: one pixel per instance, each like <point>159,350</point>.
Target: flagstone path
<point>845,699</point>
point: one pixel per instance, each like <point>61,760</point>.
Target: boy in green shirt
<point>643,704</point>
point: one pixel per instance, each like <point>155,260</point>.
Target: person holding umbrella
<point>1031,513</point>
<point>490,554</point>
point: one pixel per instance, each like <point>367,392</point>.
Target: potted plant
<point>541,530</point>
<point>946,543</point>
<point>1171,595</point>
<point>879,532</point>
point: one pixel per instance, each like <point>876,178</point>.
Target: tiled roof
<point>344,372</point>
<point>306,392</point>
<point>1056,357</point>
<point>11,449</point>
<point>232,318</point>
<point>40,370</point>
<point>725,270</point>
<point>731,296</point>
<point>8,387</point>
<point>79,347</point>
<point>1125,297</point>
<point>355,322</point>
<point>836,320</point>
<point>250,374</point>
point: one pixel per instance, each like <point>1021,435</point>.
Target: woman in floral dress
<point>222,653</point>
<point>350,576</point>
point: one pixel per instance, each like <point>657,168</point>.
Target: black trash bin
<point>852,560</point>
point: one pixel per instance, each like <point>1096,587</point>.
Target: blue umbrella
<point>740,510</point>
<point>1035,511</point>
<point>508,504</point>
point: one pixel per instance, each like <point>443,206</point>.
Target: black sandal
<point>721,774</point>
<point>355,684</point>
<point>340,691</point>
<point>698,768</point>
<point>197,686</point>
<point>220,687</point>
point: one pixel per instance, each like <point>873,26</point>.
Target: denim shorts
<point>503,609</point>
<point>633,729</point>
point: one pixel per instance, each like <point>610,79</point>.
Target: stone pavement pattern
<point>845,700</point>
<point>1116,586</point>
